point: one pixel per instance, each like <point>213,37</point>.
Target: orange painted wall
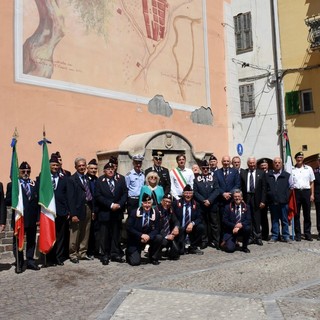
<point>79,124</point>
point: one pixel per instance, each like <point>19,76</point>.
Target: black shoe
<point>105,262</point>
<point>246,250</point>
<point>214,245</point>
<point>195,250</point>
<point>60,263</point>
<point>250,241</point>
<point>203,245</point>
<point>318,238</point>
<point>259,242</point>
<point>308,238</point>
<point>33,266</point>
<point>297,238</point>
<point>74,260</point>
<point>155,262</point>
<point>118,259</point>
<point>18,270</point>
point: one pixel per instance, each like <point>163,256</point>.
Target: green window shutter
<point>292,102</point>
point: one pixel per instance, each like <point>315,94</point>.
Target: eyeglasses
<point>25,171</point>
<point>152,177</point>
<point>204,168</point>
<point>157,159</point>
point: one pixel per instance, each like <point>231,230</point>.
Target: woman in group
<point>152,188</point>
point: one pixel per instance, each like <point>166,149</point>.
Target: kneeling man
<point>237,222</point>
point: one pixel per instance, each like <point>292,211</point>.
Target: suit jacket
<point>76,195</point>
<point>164,178</point>
<point>228,183</point>
<point>206,188</point>
<point>3,209</point>
<point>260,191</point>
<point>31,209</point>
<point>229,217</point>
<point>104,198</point>
<point>60,195</point>
<point>166,214</point>
<point>135,229</point>
<point>177,209</point>
<point>317,185</point>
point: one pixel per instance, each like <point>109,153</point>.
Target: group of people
<point>170,213</point>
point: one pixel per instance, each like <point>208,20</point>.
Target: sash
<point>180,178</point>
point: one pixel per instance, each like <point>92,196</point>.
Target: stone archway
<point>171,143</point>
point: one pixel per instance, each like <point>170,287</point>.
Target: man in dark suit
<point>317,195</point>
<point>162,172</point>
<point>59,183</point>
<point>110,199</point>
<point>169,227</point>
<point>253,185</point>
<point>94,243</point>
<point>237,222</point>
<point>81,207</point>
<point>143,228</point>
<point>191,228</point>
<point>228,180</point>
<point>3,209</point>
<point>236,164</point>
<point>31,212</point>
<point>264,166</point>
<point>206,193</point>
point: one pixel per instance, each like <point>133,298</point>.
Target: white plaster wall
<point>258,134</point>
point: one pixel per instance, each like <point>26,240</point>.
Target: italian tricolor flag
<point>47,237</point>
<point>16,199</point>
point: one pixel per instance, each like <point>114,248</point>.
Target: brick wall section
<point>6,238</point>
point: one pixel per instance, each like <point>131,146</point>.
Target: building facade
<point>299,23</point>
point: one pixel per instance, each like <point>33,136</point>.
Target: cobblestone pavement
<point>275,281</point>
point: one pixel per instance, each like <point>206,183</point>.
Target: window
<point>306,101</point>
<point>247,100</point>
<point>243,32</point>
<point>298,102</point>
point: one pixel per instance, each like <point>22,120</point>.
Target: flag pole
<point>15,136</point>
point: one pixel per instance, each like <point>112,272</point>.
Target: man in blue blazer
<point>191,228</point>
<point>110,199</point>
<point>237,222</point>
<point>143,228</point>
<point>206,193</point>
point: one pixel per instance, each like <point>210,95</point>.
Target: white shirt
<point>302,177</point>
<point>176,189</point>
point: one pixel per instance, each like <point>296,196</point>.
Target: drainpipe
<point>280,107</point>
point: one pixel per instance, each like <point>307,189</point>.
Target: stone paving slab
<point>142,304</point>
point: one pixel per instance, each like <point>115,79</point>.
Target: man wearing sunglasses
<point>30,215</point>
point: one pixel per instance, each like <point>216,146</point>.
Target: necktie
<point>238,215</point>
<point>146,220</point>
<point>251,182</point>
<point>111,186</point>
<point>166,226</point>
<point>187,215</point>
<point>225,173</point>
<point>86,187</point>
<point>27,189</point>
<point>53,183</point>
